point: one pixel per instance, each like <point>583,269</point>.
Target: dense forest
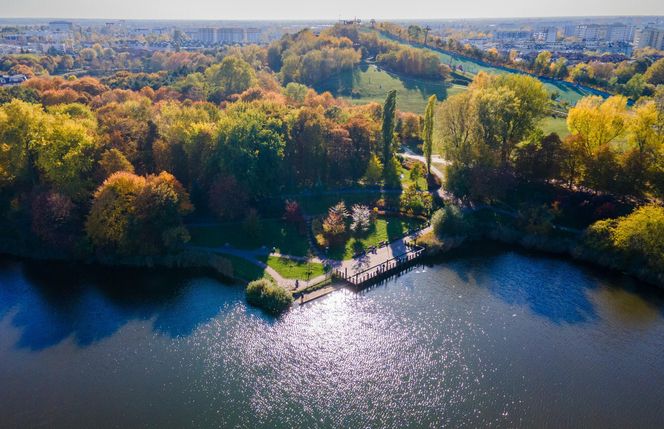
<point>116,164</point>
<point>85,166</point>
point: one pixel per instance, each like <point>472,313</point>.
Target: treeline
<point>633,79</point>
<point>491,135</point>
<point>309,59</point>
<point>403,59</point>
<point>104,60</point>
<point>542,191</point>
<point>86,168</point>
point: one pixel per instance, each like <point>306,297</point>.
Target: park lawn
<point>273,233</point>
<point>292,269</point>
<point>245,270</point>
<point>319,204</point>
<point>559,126</point>
<point>368,83</point>
<point>555,125</point>
<point>406,180</point>
<point>384,229</point>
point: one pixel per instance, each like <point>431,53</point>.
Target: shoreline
<point>570,250</point>
<point>216,265</point>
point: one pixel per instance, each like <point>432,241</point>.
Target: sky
<point>328,9</point>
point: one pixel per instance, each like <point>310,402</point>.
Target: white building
<point>207,35</point>
<point>649,37</point>
<point>254,35</point>
<point>230,35</point>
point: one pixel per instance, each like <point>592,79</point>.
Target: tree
<point>374,170</point>
<point>296,92</point>
<point>427,131</point>
<point>542,64</point>
<point>635,86</point>
<point>361,218</point>
<point>389,116</point>
<point>232,76</point>
<point>293,212</point>
<point>334,225</point>
<point>113,161</point>
<point>227,198</point>
<point>596,121</point>
<point>415,202</point>
<point>65,157</point>
<point>23,127</point>
<point>55,220</point>
<point>132,214</point>
<point>655,73</point>
<point>416,173</point>
<point>539,157</point>
<point>455,128</point>
<point>637,239</point>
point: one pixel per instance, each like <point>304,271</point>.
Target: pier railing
<point>386,268</point>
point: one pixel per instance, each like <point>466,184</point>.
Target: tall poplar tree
<point>427,131</point>
<point>389,114</point>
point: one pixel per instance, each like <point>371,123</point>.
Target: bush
<point>268,296</point>
<point>413,201</point>
<point>450,221</point>
<point>634,243</point>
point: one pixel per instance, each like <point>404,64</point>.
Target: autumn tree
<point>138,215</point>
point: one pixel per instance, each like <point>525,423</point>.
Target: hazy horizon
<point>298,10</point>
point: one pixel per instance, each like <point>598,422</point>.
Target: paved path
<point>394,249</point>
<point>256,257</point>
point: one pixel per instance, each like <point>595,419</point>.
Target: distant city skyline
<point>328,10</point>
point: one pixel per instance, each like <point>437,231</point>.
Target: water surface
<point>493,337</point>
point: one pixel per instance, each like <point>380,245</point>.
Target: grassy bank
<point>368,83</point>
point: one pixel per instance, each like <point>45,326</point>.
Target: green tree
<point>232,76</point>
<point>23,127</point>
<point>66,156</point>
<point>427,131</point>
<point>374,170</point>
<point>389,124</point>
<point>655,73</point>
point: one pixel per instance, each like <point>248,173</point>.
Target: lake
<point>488,337</point>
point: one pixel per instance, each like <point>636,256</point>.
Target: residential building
<point>230,35</point>
<point>254,35</point>
<point>206,35</point>
<point>649,37</point>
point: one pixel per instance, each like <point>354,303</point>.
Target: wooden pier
<point>382,270</point>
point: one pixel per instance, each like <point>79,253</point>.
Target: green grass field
<point>407,180</point>
<point>566,91</point>
<point>292,269</point>
<point>319,204</point>
<point>389,229</point>
<point>273,233</point>
<point>555,125</point>
<point>244,269</point>
<point>368,83</point>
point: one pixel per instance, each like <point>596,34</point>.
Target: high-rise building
<point>618,33</point>
<point>253,35</point>
<point>649,37</point>
<point>206,35</point>
<point>230,35</point>
<point>587,32</point>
